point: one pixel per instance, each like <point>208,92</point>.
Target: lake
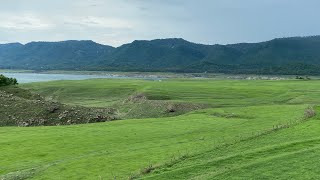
<point>37,77</point>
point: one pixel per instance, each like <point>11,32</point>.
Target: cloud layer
<point>116,22</point>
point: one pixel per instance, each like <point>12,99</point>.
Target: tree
<point>5,81</point>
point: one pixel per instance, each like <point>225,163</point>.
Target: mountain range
<point>295,55</point>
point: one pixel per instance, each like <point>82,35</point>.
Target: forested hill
<point>296,55</point>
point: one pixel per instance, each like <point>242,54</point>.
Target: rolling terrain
<point>289,153</point>
<point>217,93</point>
<point>159,90</point>
<point>20,107</point>
<point>235,129</point>
<point>295,55</point>
<point>123,149</point>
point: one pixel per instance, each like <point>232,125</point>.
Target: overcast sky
<point>115,22</point>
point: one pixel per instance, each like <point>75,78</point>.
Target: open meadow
<point>172,129</point>
<point>159,90</point>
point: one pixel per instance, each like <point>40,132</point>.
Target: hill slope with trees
<point>296,55</point>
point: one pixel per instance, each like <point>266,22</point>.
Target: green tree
<point>5,81</point>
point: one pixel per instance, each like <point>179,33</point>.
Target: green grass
<point>97,93</point>
<point>192,145</point>
<point>291,153</point>
<point>217,93</point>
<point>120,148</point>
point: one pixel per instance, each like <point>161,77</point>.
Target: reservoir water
<point>38,77</point>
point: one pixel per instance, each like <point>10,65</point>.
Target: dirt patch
<point>139,106</point>
<point>231,116</point>
<point>136,98</point>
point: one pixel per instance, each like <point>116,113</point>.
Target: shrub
<point>5,81</point>
<point>309,112</point>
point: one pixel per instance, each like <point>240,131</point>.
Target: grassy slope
<point>119,94</point>
<point>20,107</point>
<point>217,93</point>
<point>291,153</point>
<point>86,92</point>
<point>193,94</point>
<point>120,147</point>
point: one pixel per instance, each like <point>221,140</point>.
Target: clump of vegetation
<point>6,81</point>
<point>147,169</point>
<point>231,115</point>
<point>306,78</point>
<point>309,112</point>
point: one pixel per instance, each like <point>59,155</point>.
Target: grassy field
<point>248,130</point>
<point>291,153</point>
<point>122,147</point>
<point>217,93</point>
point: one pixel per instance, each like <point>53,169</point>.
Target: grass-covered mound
<point>128,97</point>
<point>19,107</point>
<point>82,104</point>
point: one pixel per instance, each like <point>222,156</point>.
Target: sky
<point>116,22</point>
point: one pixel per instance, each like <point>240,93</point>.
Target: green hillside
<point>290,153</point>
<point>296,55</point>
<point>124,148</point>
<point>53,55</point>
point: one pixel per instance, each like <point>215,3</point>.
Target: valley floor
<point>239,130</point>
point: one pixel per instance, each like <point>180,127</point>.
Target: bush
<point>309,112</point>
<point>5,81</point>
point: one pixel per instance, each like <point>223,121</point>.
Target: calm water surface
<point>35,77</point>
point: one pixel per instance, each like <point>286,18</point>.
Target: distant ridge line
<point>292,55</point>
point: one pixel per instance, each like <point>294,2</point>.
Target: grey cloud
<point>116,22</point>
